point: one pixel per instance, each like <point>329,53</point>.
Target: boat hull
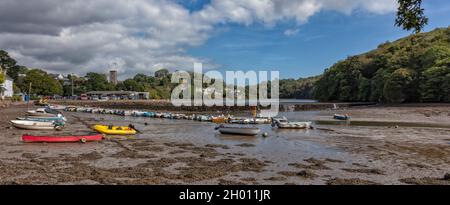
<point>341,117</point>
<point>115,130</point>
<point>62,139</point>
<point>31,113</point>
<point>34,125</point>
<point>239,131</point>
<point>294,126</point>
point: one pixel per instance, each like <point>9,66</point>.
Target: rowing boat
<point>43,112</point>
<point>283,123</point>
<point>250,131</point>
<point>61,139</point>
<point>36,125</point>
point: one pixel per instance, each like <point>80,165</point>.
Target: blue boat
<point>341,117</point>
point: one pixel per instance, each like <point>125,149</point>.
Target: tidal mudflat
<point>188,152</point>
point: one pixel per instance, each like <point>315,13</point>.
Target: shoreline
<point>166,105</point>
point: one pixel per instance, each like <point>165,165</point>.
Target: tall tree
<point>410,15</point>
<point>41,83</point>
<point>97,82</point>
<point>6,62</point>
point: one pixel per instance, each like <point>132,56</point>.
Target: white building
<point>7,86</point>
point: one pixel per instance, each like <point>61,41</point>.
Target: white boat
<point>57,107</point>
<point>261,120</point>
<point>250,131</point>
<point>35,125</point>
<point>283,123</point>
<point>45,112</point>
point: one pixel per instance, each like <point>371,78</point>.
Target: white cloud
<point>291,32</point>
<point>139,35</point>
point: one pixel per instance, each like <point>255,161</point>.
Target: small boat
<point>35,125</point>
<point>43,112</point>
<point>283,123</point>
<point>54,120</point>
<point>249,131</point>
<point>56,107</point>
<point>261,120</point>
<point>38,118</point>
<point>341,117</point>
<point>115,130</point>
<point>62,139</point>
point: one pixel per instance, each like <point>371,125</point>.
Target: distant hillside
<point>412,69</point>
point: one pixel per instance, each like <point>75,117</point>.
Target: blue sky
<point>326,38</point>
<point>300,38</point>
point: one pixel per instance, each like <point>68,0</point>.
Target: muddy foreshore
<point>190,153</point>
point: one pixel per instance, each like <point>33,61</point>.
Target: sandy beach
<point>187,152</point>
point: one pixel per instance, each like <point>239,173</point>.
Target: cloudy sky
<point>297,37</point>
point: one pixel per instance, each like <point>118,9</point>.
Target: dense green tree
<point>379,75</point>
<point>433,85</point>
<point>97,82</point>
<point>410,15</point>
<point>6,62</point>
<point>302,88</point>
<point>396,88</point>
<point>131,85</point>
<point>41,83</point>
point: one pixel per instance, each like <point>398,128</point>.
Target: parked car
<point>104,98</point>
<point>84,97</point>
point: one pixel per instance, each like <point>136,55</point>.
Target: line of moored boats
<point>51,118</point>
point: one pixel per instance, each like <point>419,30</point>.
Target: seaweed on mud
<point>29,155</point>
<point>352,181</point>
<point>229,182</point>
<point>313,164</point>
<point>276,179</point>
<point>249,179</point>
<point>217,146</point>
<point>306,174</point>
<point>177,152</point>
<point>150,149</point>
<point>131,154</point>
<point>365,171</point>
<point>427,180</point>
<point>334,160</point>
<point>162,162</point>
<point>246,145</point>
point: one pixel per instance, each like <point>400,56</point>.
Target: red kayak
<point>55,139</point>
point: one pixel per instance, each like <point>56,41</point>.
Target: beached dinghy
<point>54,120</point>
<point>61,139</point>
<point>115,130</point>
<point>250,131</point>
<point>341,117</point>
<point>35,125</point>
<point>56,107</point>
<point>38,118</point>
<point>283,123</point>
<point>43,112</point>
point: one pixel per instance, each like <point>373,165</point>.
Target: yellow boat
<point>114,130</point>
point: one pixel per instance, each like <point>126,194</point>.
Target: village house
<point>6,88</point>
